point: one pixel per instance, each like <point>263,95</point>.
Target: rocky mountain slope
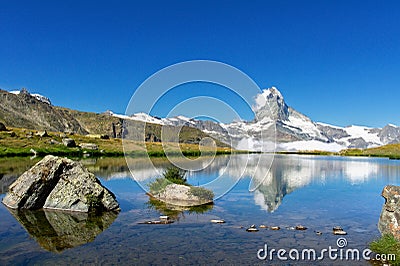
<point>34,111</point>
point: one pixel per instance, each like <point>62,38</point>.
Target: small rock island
<point>59,184</point>
<point>172,188</point>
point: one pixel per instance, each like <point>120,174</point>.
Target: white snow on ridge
<point>328,125</point>
<point>36,95</point>
<point>362,132</point>
<point>306,126</point>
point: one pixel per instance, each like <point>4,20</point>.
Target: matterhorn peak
<point>270,103</point>
<point>272,92</point>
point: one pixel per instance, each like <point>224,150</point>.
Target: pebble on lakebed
<point>275,228</point>
<point>337,230</point>
<point>252,228</point>
<point>300,227</point>
<point>217,221</point>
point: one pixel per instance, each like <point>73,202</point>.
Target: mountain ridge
<point>275,122</point>
<point>294,130</point>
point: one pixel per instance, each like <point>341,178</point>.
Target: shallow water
<point>317,192</point>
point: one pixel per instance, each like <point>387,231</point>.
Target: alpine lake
<point>317,192</point>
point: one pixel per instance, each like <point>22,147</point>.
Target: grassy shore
<point>391,151</point>
<point>25,142</point>
<point>386,245</point>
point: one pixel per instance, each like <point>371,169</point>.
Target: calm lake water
<point>314,191</point>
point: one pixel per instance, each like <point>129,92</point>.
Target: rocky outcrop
<point>27,111</point>
<point>182,195</point>
<point>56,231</point>
<point>61,184</point>
<point>389,221</point>
<point>2,127</point>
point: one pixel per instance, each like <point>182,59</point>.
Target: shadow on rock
<point>56,231</point>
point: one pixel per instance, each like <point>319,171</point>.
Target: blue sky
<point>335,61</point>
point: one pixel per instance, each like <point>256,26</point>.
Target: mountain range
<point>277,122</point>
<point>275,126</point>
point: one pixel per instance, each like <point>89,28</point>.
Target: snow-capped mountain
<point>276,122</point>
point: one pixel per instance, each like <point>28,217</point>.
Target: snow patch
<point>362,132</point>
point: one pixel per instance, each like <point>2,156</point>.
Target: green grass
<point>22,141</point>
<point>387,244</point>
<point>171,175</point>
<point>310,152</point>
<point>158,185</point>
<point>202,193</point>
<point>175,175</point>
<point>391,151</point>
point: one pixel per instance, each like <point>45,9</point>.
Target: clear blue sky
<point>335,61</point>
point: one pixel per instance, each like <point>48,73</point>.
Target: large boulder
<point>69,142</point>
<point>389,221</point>
<point>182,195</point>
<point>61,184</point>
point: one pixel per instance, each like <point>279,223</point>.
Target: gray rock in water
<point>62,184</point>
<point>389,221</point>
<point>180,195</point>
<point>69,142</point>
<point>89,146</point>
<point>2,127</point>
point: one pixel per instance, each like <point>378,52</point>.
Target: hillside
<point>26,111</point>
<point>35,112</point>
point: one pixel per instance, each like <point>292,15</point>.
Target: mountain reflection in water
<point>285,175</point>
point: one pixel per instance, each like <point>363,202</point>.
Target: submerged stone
<point>61,184</point>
